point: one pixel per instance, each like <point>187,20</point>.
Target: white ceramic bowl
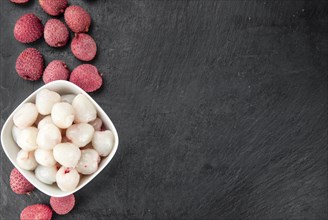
<point>11,149</point>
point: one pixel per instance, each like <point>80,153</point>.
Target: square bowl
<point>11,148</point>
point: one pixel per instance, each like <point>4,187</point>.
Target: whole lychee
<point>19,184</point>
<point>62,205</point>
<point>28,28</point>
<point>19,1</point>
<point>87,77</point>
<point>29,64</point>
<point>55,33</point>
<point>53,7</point>
<point>56,70</point>
<point>77,19</point>
<point>84,47</point>
<point>37,211</point>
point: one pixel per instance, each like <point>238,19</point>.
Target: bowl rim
<point>109,123</point>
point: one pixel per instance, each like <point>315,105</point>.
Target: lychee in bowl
<point>11,148</point>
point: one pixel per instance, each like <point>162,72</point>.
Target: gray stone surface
<point>221,108</point>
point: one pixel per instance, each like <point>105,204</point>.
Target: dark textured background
<point>221,108</point>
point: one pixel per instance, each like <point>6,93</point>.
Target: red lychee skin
<point>84,47</point>
<point>62,205</point>
<point>77,19</point>
<point>29,64</point>
<point>87,77</point>
<point>19,184</point>
<point>55,33</point>
<point>19,1</point>
<point>36,212</point>
<point>28,28</point>
<point>53,7</point>
<point>56,70</point>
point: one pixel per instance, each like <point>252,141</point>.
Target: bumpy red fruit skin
<point>28,28</point>
<point>19,1</point>
<point>29,64</point>
<point>87,77</point>
<point>53,7</point>
<point>77,19</point>
<point>55,33</point>
<point>84,47</point>
<point>36,212</point>
<point>62,205</point>
<point>18,183</point>
<point>56,70</point>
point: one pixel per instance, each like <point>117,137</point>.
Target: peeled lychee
<point>62,114</point>
<point>55,33</point>
<point>56,70</point>
<point>84,47</point>
<point>29,64</point>
<point>27,138</point>
<point>67,154</point>
<point>84,109</point>
<point>80,134</point>
<point>62,205</point>
<point>67,178</point>
<point>45,174</point>
<point>26,115</point>
<point>19,184</point>
<point>26,160</point>
<point>45,100</point>
<point>19,1</point>
<point>103,142</point>
<point>37,211</point>
<point>28,28</point>
<point>87,77</point>
<point>77,19</point>
<point>53,7</point>
<point>88,162</point>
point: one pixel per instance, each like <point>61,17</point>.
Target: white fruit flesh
<point>48,137</point>
<point>80,134</point>
<point>67,178</point>
<point>15,132</point>
<point>45,157</point>
<point>84,109</point>
<point>88,162</point>
<point>26,115</point>
<point>26,160</point>
<point>45,100</point>
<point>103,142</point>
<point>67,154</point>
<point>62,114</point>
<point>27,138</point>
<point>44,121</point>
<point>46,175</point>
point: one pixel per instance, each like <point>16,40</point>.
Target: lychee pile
<point>29,28</point>
<point>60,138</point>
